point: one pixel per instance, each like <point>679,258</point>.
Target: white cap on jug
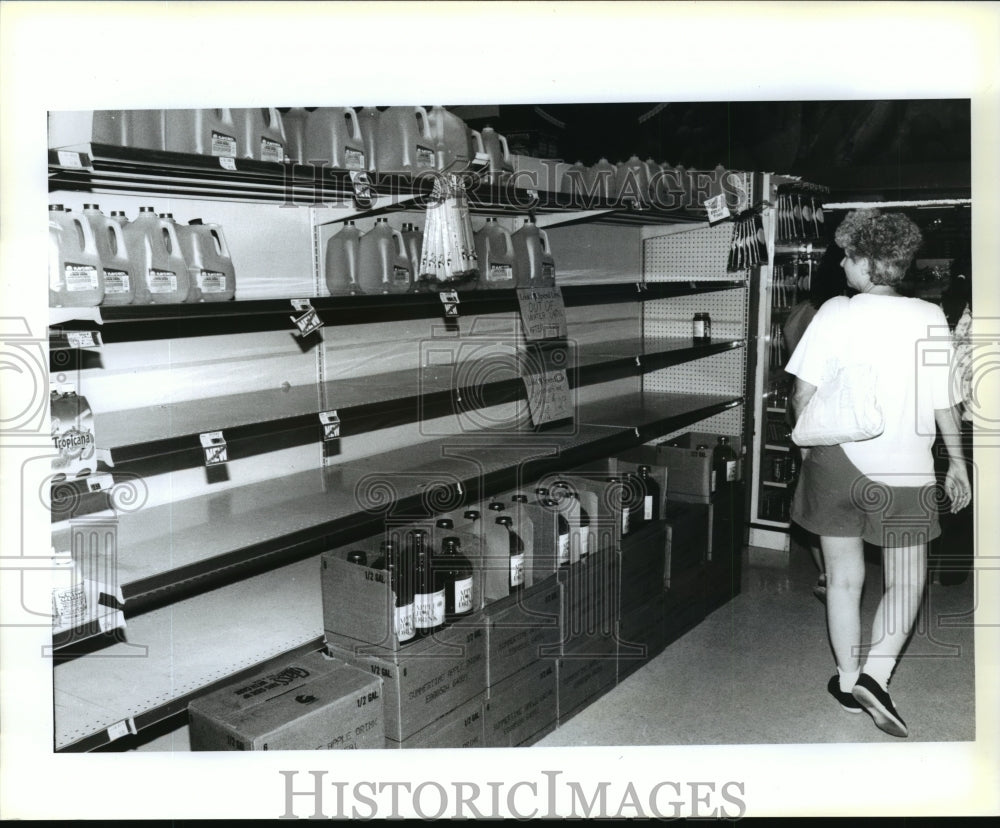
<point>196,221</point>
<point>92,207</point>
<point>56,208</point>
<point>117,213</point>
<point>147,210</point>
<point>381,220</point>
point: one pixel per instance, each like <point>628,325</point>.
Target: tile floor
<point>755,672</point>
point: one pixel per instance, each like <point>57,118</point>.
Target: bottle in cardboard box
<point>724,464</point>
<point>428,596</point>
<point>619,500</point>
<point>211,132</point>
<point>651,495</point>
<point>454,574</point>
<point>342,261</point>
<point>76,278</point>
<point>562,531</point>
<point>119,288</point>
<point>561,490</point>
<point>495,254</point>
<point>72,423</point>
<point>210,264</point>
<point>333,134</point>
<point>260,134</point>
<point>158,267</point>
<point>383,266</point>
<point>393,561</point>
<point>516,550</point>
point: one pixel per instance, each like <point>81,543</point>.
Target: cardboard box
<point>685,604</point>
<point>605,514</point>
<point>458,728</point>
<point>641,635</point>
<point>520,629</point>
<point>642,564</point>
<point>658,472</point>
<point>310,702</point>
<point>687,538</point>
<point>522,705</point>
<point>358,602</point>
<point>427,677</point>
<point>589,600</point>
<point>584,675</point>
<point>689,470</point>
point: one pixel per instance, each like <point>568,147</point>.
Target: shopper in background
<point>827,282</point>
<point>879,490</point>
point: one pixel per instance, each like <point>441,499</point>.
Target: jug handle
<point>87,234</point>
<point>504,147</point>
<point>274,117</point>
<point>400,245</point>
<point>220,243</point>
<point>422,115</point>
<point>119,234</point>
<point>477,139</point>
<point>352,116</point>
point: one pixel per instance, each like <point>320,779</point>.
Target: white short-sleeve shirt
<point>908,343</point>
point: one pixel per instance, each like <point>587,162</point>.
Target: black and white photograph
<point>572,411</point>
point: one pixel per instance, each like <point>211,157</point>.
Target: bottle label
<point>712,484</point>
<point>211,281</point>
<point>730,471</point>
<point>162,281</point>
<point>463,595</point>
<point>69,606</point>
<point>271,151</point>
<point>647,507</point>
<point>224,145</point>
<point>404,622</point>
<point>548,271</point>
<point>80,277</point>
<point>425,156</point>
<point>116,281</point>
<point>400,276</point>
<point>563,549</point>
<point>517,570</point>
<point>428,609</point>
<point>354,159</point>
<point>500,273</point>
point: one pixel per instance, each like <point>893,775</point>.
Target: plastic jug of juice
<point>413,242</point>
<point>455,143</point>
<point>495,253</point>
<point>368,120</point>
<point>158,266</point>
<point>260,134</point>
<point>383,266</point>
<point>602,179</point>
<point>632,181</point>
<point>334,135</point>
<point>145,129</point>
<point>76,279</point>
<point>528,252</point>
<point>202,132</point>
<point>98,126</point>
<point>405,142</point>
<point>495,147</point>
<point>342,261</point>
<point>210,265</point>
<point>294,121</point>
<point>575,180</point>
<point>119,288</point>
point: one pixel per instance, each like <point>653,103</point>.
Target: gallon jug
<point>527,241</point>
<point>382,263</point>
<point>575,181</point>
<point>496,149</point>
<point>413,242</point>
<point>294,121</point>
<point>632,181</point>
<point>98,126</point>
<point>260,134</point>
<point>601,180</point>
<point>456,145</point>
<point>495,253</point>
<point>334,135</point>
<point>119,289</point>
<point>202,132</point>
<point>75,276</point>
<point>368,119</point>
<point>210,266</point>
<point>145,129</point>
<point>342,251</point>
<point>158,266</point>
<point>405,142</point>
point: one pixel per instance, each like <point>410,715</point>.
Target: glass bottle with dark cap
<point>453,574</point>
<point>428,597</point>
<point>516,551</point>
<point>395,566</point>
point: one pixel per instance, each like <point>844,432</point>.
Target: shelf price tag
<point>309,320</point>
<point>215,448</point>
<point>84,339</point>
<point>450,301</point>
<point>70,159</point>
<point>100,482</point>
<point>364,195</point>
<point>227,163</point>
<point>330,421</point>
<point>549,398</point>
<point>717,209</point>
<point>543,315</point>
<point>121,729</point>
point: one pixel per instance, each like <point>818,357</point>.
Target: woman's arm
<point>956,481</point>
<point>801,394</point>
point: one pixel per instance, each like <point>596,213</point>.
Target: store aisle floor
<point>755,672</point>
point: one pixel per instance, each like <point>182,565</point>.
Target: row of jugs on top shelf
<point>108,260</point>
<point>398,139</point>
<point>386,260</point>
<point>646,182</point>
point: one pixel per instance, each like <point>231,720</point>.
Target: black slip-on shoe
<point>845,700</point>
<point>876,701</point>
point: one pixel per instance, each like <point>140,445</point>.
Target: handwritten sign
<point>543,314</point>
<point>549,398</point>
<point>717,209</point>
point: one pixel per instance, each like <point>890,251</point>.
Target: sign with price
<point>543,315</point>
<point>309,321</point>
<point>717,209</point>
<point>549,398</point>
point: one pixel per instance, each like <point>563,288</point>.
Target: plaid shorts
<point>834,499</point>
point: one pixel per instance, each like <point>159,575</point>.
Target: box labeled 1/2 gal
<point>522,705</point>
<point>458,728</point>
<point>310,702</point>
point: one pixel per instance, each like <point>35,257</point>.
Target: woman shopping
<point>879,490</point>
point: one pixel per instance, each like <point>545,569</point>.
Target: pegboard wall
<point>700,254</point>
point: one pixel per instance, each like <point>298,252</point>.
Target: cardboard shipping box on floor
<point>585,674</point>
<point>458,728</point>
<point>521,627</point>
<point>589,600</point>
<point>427,677</point>
<point>522,706</point>
<point>641,564</point>
<point>309,702</point>
<point>642,635</point>
<point>687,539</point>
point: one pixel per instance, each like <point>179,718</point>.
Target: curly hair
<point>888,241</point>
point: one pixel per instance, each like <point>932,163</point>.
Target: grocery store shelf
<point>135,323</point>
<point>652,414</point>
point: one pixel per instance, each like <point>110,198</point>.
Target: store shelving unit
<point>223,578</point>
